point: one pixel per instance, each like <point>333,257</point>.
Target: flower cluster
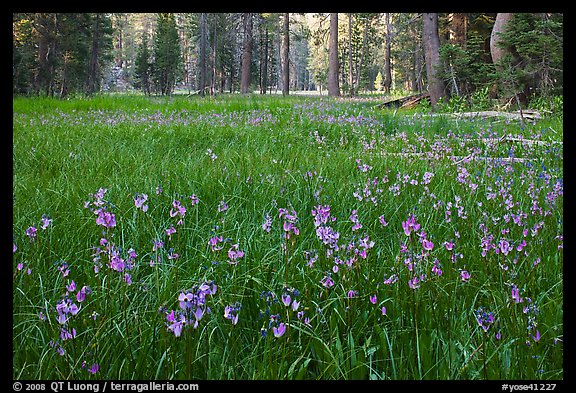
<point>231,312</point>
<point>290,221</point>
<point>484,318</point>
<point>100,208</point>
<point>193,306</point>
<point>140,202</point>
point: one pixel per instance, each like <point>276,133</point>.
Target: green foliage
<point>533,66</point>
<point>465,69</point>
<point>167,69</point>
<point>74,48</point>
<point>143,66</point>
<point>537,39</point>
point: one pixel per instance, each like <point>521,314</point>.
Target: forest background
<point>463,58</point>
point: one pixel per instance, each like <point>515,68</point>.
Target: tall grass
<point>390,313</point>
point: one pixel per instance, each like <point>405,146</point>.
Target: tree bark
<point>286,56</point>
<point>459,29</point>
<point>333,65</point>
<point>496,49</point>
<point>350,62</point>
<point>246,55</point>
<point>432,56</point>
<point>202,54</point>
<point>387,66</point>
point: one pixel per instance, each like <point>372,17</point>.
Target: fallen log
<point>518,115</point>
<point>404,102</point>
<point>458,159</point>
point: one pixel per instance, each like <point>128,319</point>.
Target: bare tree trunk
<point>202,54</point>
<point>286,56</point>
<point>496,50</point>
<point>350,63</point>
<point>94,51</point>
<point>246,54</point>
<point>265,71</point>
<point>333,65</point>
<point>64,82</point>
<point>41,74</point>
<point>459,29</point>
<point>214,63</point>
<point>387,66</point>
<point>432,56</point>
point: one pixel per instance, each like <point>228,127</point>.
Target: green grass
<point>293,153</point>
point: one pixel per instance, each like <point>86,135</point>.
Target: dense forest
<point>470,56</point>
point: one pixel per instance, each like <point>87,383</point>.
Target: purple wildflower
<point>327,282</point>
<point>106,219</point>
<point>290,221</point>
<point>414,283</point>
<point>157,244</point>
<point>286,299</point>
<point>46,221</point>
<point>231,312</point>
<point>267,223</point>
<point>94,368</point>
<point>382,221</point>
<point>410,225</point>
<point>177,209</point>
<point>139,202</point>
<point>464,275</point>
<point>31,232</point>
<point>484,318</point>
<point>516,295</point>
<point>295,305</point>
<point>427,244</point>
<point>234,254</point>
<point>354,219</point>
<point>170,231</point>
<point>280,330</point>
<point>222,206</point>
<point>214,243</point>
<point>176,323</point>
<point>71,287</point>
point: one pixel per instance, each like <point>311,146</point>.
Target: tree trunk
<point>350,63</point>
<point>387,66</point>
<point>213,81</point>
<point>265,66</point>
<point>432,56</point>
<point>42,74</point>
<point>246,54</point>
<point>496,50</point>
<point>286,56</point>
<point>202,54</point>
<point>459,29</point>
<point>333,66</point>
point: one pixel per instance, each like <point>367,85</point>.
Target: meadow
<point>283,238</point>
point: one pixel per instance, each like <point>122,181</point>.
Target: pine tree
<point>143,66</point>
<point>167,56</point>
